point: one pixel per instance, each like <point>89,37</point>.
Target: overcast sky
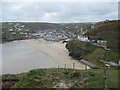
<point>60,12</point>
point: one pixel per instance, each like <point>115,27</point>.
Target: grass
<point>9,80</point>
<point>95,56</point>
<point>69,78</point>
<point>107,31</point>
<point>91,52</point>
<point>98,80</point>
<point>43,78</point>
<point>111,55</point>
<point>112,78</point>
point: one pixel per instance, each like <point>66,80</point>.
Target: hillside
<point>89,52</point>
<point>76,27</point>
<point>106,31</point>
<point>27,30</point>
<point>37,26</point>
<point>60,78</point>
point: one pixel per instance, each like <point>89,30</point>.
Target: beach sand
<point>57,51</point>
<point>24,55</point>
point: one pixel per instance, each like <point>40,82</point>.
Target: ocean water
<point>18,57</point>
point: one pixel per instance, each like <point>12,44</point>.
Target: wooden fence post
<point>73,65</point>
<point>65,65</point>
<point>85,67</point>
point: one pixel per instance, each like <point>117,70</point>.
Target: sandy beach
<point>55,50</point>
<point>24,55</point>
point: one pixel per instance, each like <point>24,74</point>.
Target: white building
<point>10,29</point>
<point>13,33</point>
<point>102,42</point>
<point>92,26</point>
<point>27,30</point>
<point>76,26</point>
<point>83,38</point>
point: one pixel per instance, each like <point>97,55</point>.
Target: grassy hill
<point>38,26</point>
<point>61,78</point>
<point>89,52</point>
<point>106,31</point>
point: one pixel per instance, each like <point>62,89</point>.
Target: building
<point>111,64</point>
<point>83,38</point>
<point>117,62</point>
<point>93,26</point>
<point>11,29</point>
<point>102,42</point>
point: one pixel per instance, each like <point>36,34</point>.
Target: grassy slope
<point>95,56</point>
<point>98,81</point>
<point>95,53</point>
<point>49,78</point>
<point>9,80</point>
<point>108,31</point>
<point>91,53</point>
<point>43,78</point>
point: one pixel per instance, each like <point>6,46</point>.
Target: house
<point>93,40</point>
<point>111,64</point>
<point>93,26</point>
<point>27,30</point>
<point>23,26</point>
<point>85,31</point>
<point>11,29</point>
<point>67,40</point>
<point>117,62</point>
<point>19,29</point>
<point>23,33</point>
<point>76,26</point>
<point>83,38</point>
<point>13,33</point>
<point>102,42</point>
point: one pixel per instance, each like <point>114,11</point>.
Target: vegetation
<point>14,34</point>
<point>63,78</point>
<point>97,81</point>
<point>103,31</point>
<point>76,27</point>
<point>9,80</point>
<point>38,26</point>
<point>90,52</point>
<point>107,31</point>
<point>85,50</point>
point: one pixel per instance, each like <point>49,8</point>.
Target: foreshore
<point>56,53</point>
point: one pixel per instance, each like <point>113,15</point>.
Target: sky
<point>59,12</point>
